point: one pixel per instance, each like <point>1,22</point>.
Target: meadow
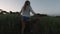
<point>11,24</point>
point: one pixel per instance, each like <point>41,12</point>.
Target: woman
<point>26,14</point>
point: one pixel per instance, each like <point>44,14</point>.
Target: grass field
<point>11,24</point>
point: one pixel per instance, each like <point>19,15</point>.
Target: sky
<point>50,7</point>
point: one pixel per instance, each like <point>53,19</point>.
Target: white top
<point>27,11</point>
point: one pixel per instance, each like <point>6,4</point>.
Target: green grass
<point>45,25</point>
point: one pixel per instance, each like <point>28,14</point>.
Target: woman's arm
<point>20,11</point>
<point>32,10</point>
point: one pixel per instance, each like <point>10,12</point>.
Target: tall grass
<point>11,24</point>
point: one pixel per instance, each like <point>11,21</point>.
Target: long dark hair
<point>26,4</point>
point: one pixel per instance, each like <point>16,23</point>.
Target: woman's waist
<point>26,15</point>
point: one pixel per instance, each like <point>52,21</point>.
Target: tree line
<point>11,12</point>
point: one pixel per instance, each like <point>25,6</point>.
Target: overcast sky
<point>50,7</point>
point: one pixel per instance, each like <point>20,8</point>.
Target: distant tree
<point>58,16</point>
<point>14,12</point>
<point>43,15</point>
<point>40,15</point>
<point>10,12</point>
<point>37,14</point>
<point>4,12</point>
<point>1,10</point>
<point>17,12</point>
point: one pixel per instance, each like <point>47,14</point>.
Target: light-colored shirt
<point>27,11</point>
